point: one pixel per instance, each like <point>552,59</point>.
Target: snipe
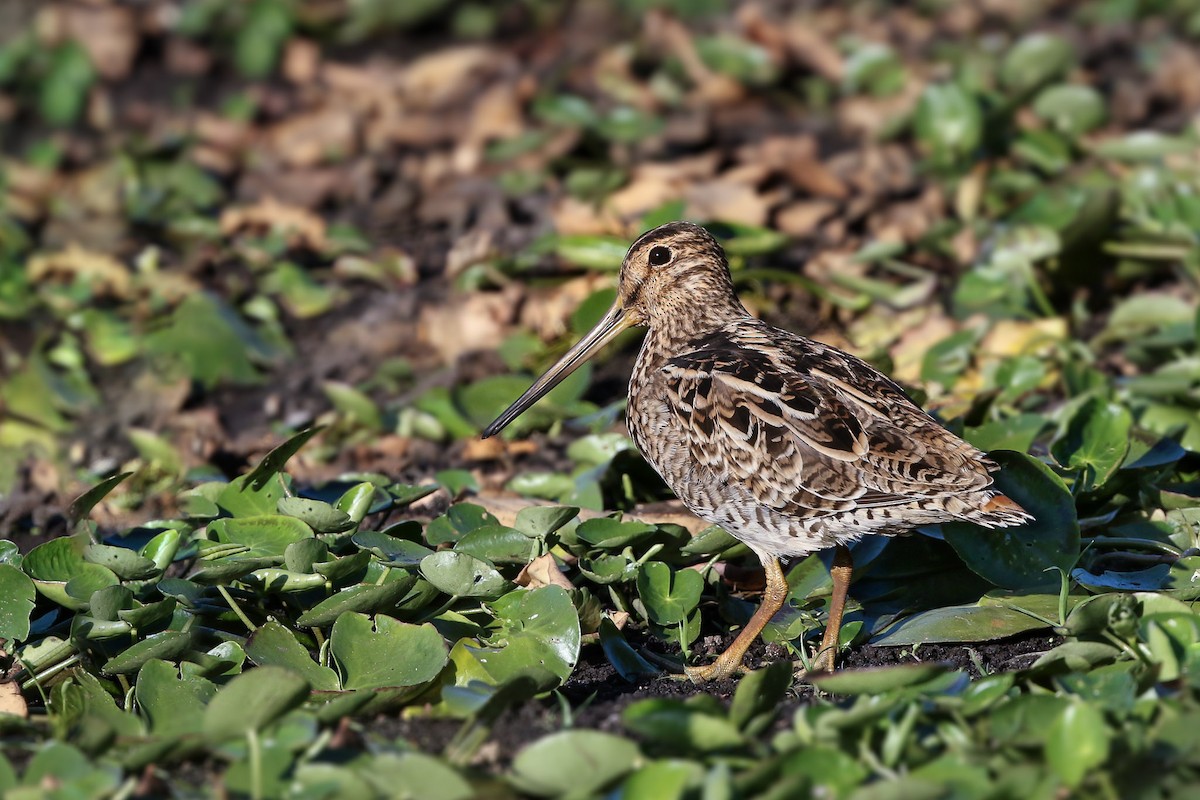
<point>790,445</point>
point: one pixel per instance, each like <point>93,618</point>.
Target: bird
<point>790,445</point>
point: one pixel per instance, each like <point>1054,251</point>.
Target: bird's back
<point>793,445</point>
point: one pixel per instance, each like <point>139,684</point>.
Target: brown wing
<point>810,429</point>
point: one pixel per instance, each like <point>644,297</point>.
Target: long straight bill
<point>605,331</point>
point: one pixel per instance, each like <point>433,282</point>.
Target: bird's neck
<point>693,318</point>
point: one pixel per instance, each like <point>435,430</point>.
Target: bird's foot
<point>719,670</point>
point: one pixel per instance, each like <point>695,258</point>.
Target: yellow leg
<point>843,566</point>
<point>730,661</point>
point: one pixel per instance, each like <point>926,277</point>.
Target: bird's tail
<point>998,511</point>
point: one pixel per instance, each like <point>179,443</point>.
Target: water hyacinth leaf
<point>612,533</point>
<point>1019,557</point>
<point>356,501</point>
<point>957,624</point>
<point>625,660</point>
<point>415,776</point>
<point>321,517</point>
<point>459,520</point>
<point>82,506</point>
<point>239,499</point>
<point>385,652</point>
<point>1070,109</point>
<point>1095,441</point>
<point>174,704</point>
<point>573,762</point>
<point>1034,61</point>
<point>1016,432</point>
<point>274,461</point>
<point>879,680</point>
<point>461,575</point>
<point>167,646</point>
<point>363,598</point>
<point>758,695</point>
<point>351,568</point>
<point>274,645</point>
<point>53,565</point>
<point>1077,742</point>
<point>669,595</point>
<point>276,581</point>
<point>497,544</point>
<point>265,536</point>
<point>126,564</point>
<point>743,60</point>
<point>547,615</point>
<point>252,701</point>
<point>948,122</point>
<point>669,779</point>
<point>302,556</point>
<point>392,549</point>
<point>403,494</point>
<point>541,521</point>
<point>229,351</point>
<point>17,596</point>
<point>676,725</point>
<point>162,548</point>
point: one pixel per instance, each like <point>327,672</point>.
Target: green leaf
<point>365,598</point>
<point>948,122</point>
<point>415,776</point>
<point>1037,59</point>
<point>252,701</point>
<point>228,351</point>
<point>461,575</point>
<point>1070,109</point>
<point>878,680</point>
<point>759,695</point>
<point>1077,742</point>
<point>167,646</point>
<point>175,704</point>
<point>17,596</point>
<point>496,544</point>
<point>1095,441</point>
<point>386,653</point>
<point>611,533</point>
<point>125,563</point>
<point>274,645</point>
<point>318,515</point>
<point>1021,557</point>
<point>625,660</point>
<point>546,615</point>
<point>64,89</point>
<point>669,596</point>
<point>56,564</point>
<point>265,536</point>
<point>541,521</point>
<point>957,624</point>
<point>82,506</point>
<point>273,462</point>
<point>678,726</point>
<point>574,762</point>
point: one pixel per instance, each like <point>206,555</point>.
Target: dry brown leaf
<point>448,74</point>
<point>619,618</point>
<point>12,702</point>
<point>804,217</point>
<point>728,201</point>
<point>308,139</point>
<point>301,61</point>
<point>467,323</point>
<point>108,33</point>
<point>302,226</point>
<point>103,273</point>
<point>495,448</point>
<point>547,312</point>
<point>812,48</point>
<point>542,571</point>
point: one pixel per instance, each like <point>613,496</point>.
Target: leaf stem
<point>237,609</point>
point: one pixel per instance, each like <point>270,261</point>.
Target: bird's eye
<point>659,256</point>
